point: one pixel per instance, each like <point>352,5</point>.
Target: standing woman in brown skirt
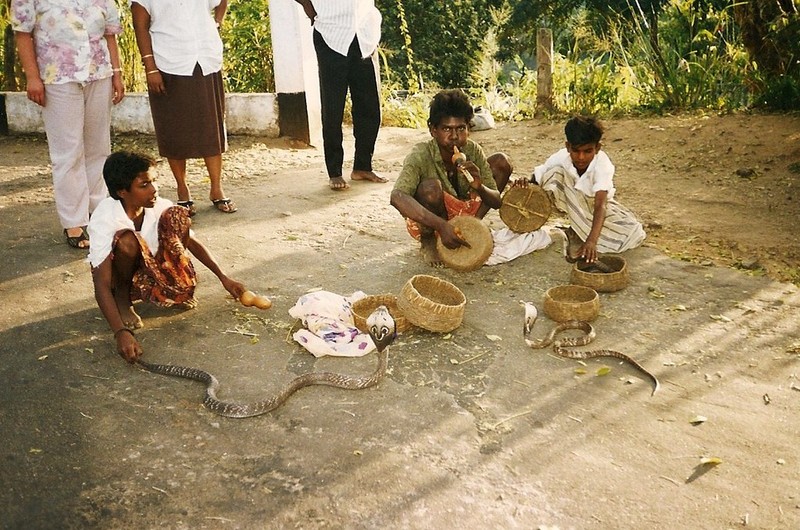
<point>182,56</point>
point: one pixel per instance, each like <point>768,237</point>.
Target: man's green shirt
<point>425,161</point>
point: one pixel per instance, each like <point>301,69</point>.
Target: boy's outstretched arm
<point>199,251</point>
<point>589,249</point>
<point>127,345</point>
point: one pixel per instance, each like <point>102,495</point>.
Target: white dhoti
<point>621,230</point>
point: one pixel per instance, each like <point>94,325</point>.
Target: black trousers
<point>337,74</point>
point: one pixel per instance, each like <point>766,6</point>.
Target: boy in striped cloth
<point>580,181</point>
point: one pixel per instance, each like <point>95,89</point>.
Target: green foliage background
<point>610,56</point>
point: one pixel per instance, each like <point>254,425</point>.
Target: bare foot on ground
<point>370,176</point>
<point>191,303</point>
<point>130,319</point>
<point>338,184</point>
<point>429,252</point>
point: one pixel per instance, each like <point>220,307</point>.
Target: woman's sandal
<point>189,205</point>
<point>224,205</point>
<point>77,241</point>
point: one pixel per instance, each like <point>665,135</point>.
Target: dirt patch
<point>468,429</point>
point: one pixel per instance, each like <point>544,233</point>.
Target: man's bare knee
<point>430,194</point>
<point>502,168</point>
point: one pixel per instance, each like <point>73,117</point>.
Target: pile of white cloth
<point>329,327</point>
<point>509,245</point>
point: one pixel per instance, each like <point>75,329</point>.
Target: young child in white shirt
<point>580,180</point>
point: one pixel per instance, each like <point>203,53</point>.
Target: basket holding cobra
<point>364,307</point>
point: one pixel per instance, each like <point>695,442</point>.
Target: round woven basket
<point>588,275</point>
<point>473,231</point>
<point>571,302</point>
<point>431,303</point>
<point>525,209</point>
<point>364,307</point>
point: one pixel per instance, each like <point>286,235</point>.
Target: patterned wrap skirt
<point>168,277</point>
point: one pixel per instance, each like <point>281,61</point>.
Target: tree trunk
<point>754,19</point>
<point>9,59</point>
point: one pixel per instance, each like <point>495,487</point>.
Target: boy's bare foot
<point>338,184</point>
<point>429,252</point>
<point>371,176</point>
<point>130,319</point>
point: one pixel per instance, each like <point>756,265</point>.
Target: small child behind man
<point>580,178</point>
<point>139,250</point>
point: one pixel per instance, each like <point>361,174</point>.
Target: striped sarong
<point>621,230</point>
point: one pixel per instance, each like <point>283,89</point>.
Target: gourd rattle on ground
<point>251,299</point>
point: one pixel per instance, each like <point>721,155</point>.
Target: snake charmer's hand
<point>522,183</point>
<point>118,89</point>
<point>451,238</point>
<point>588,251</point>
<point>470,167</point>
<point>233,287</point>
<point>127,345</point>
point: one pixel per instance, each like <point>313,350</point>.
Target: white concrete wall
<point>246,114</point>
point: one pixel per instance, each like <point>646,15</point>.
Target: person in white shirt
<point>182,56</point>
<point>346,36</point>
<point>580,180</point>
<point>140,250</point>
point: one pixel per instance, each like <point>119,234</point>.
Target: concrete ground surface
<point>469,429</point>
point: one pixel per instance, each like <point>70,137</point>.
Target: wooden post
<point>9,60</point>
<point>296,75</point>
<point>544,72</point>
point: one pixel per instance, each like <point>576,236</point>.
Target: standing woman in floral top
<point>69,53</point>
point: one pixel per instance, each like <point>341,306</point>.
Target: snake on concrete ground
<point>381,327</point>
<point>560,345</point>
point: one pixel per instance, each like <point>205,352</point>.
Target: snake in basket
<point>560,345</point>
<point>381,327</point>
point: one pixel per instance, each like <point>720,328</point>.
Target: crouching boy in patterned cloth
<point>139,250</point>
<point>580,180</point>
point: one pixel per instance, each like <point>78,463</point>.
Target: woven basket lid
<point>525,209</point>
<point>473,231</point>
